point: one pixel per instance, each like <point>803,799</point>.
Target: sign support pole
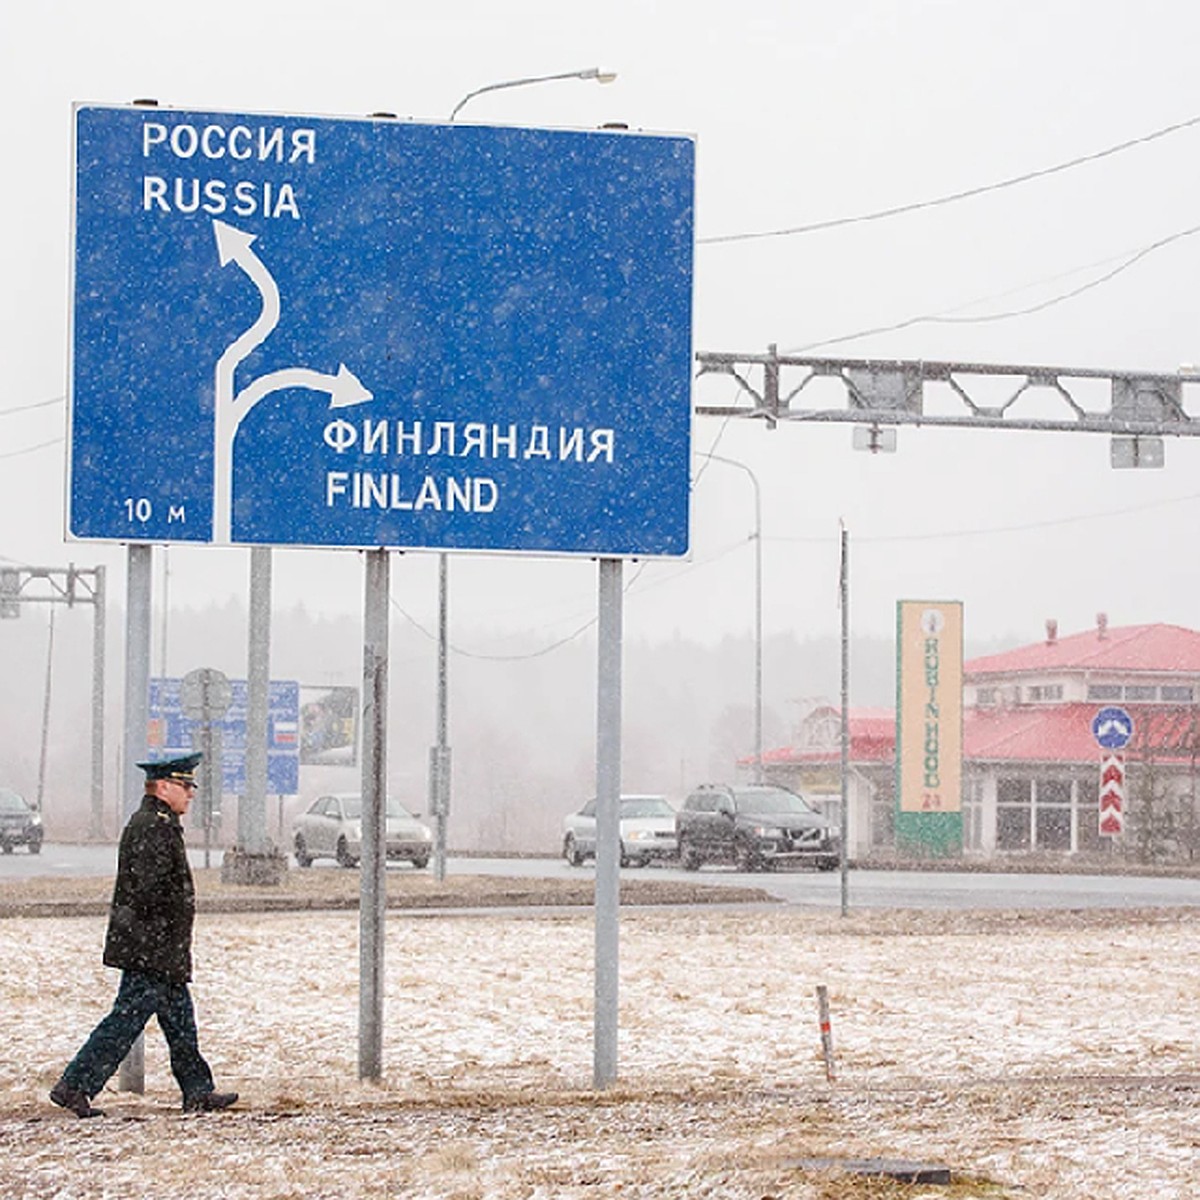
<point>845,731</point>
<point>252,812</point>
<point>96,830</point>
<point>608,832</point>
<point>373,895</point>
<point>132,1074</point>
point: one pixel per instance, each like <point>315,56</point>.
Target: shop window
<point>1011,790</point>
<point>1044,691</point>
<point>1104,691</point>
<point>1141,691</point>
<point>1178,695</point>
<point>1053,828</point>
<point>1012,827</point>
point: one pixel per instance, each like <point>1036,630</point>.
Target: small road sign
<point>1112,728</point>
<point>1112,795</point>
<point>204,694</point>
<point>307,331</point>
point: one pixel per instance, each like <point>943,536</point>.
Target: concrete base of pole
<point>265,869</point>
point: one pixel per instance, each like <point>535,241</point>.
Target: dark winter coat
<point>154,899</point>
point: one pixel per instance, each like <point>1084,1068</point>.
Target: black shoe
<point>65,1096</point>
<point>210,1102</point>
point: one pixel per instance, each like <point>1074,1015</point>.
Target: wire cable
<point>1054,522</point>
<point>954,197</point>
<point>570,637</point>
<point>947,317</point>
<point>20,408</point>
<point>30,449</point>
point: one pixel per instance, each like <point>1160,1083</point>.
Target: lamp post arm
<point>590,73</point>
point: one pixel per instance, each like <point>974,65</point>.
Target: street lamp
<point>591,73</point>
<point>439,767</point>
<point>758,637</point>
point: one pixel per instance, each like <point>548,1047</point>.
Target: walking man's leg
<point>177,1019</point>
<point>107,1045</point>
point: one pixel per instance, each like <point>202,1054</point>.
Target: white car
<point>647,825</point>
<point>332,828</point>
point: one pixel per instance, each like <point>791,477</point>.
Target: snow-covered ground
<point>1037,1055</point>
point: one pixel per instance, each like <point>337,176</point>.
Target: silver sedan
<point>332,828</point>
<point>647,831</point>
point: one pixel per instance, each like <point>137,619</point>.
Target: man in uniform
<point>150,939</point>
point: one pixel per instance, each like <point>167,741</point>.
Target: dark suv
<point>754,826</point>
<point>20,824</point>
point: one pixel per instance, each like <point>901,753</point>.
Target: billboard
<point>929,635</point>
<point>328,726</point>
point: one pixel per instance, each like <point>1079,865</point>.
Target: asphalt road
<point>867,888</point>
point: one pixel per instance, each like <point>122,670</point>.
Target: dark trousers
<point>138,999</point>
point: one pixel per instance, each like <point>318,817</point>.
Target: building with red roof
<point>1031,763</point>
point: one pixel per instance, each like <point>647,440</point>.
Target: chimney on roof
<point>1102,625</point>
<point>1051,631</point>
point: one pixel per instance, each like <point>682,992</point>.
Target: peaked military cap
<point>181,769</point>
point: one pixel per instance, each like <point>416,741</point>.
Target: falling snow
<point>1050,1055</point>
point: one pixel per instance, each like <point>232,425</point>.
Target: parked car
<point>647,825</point>
<point>332,828</point>
<point>20,823</point>
<point>755,826</point>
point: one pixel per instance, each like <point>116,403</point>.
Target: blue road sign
<point>171,733</point>
<point>1112,727</point>
<point>339,332</point>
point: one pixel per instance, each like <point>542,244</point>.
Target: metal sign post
<point>132,1074</point>
<point>252,811</point>
<point>205,695</point>
<point>373,898</point>
<point>608,823</point>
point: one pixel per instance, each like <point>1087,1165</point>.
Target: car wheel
<point>688,857</point>
<point>35,846</point>
<point>421,861</point>
<point>303,858</point>
<point>639,861</point>
<point>8,848</point>
<point>571,851</point>
<point>746,858</point>
<point>343,855</point>
<point>828,864</point>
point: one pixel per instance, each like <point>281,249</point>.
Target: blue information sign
<point>342,332</point>
<point>1112,728</point>
<point>172,733</point>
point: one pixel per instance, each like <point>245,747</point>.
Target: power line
<point>953,197</point>
<point>1054,522</point>
<point>20,408</point>
<point>30,449</point>
<point>570,637</point>
<point>947,317</point>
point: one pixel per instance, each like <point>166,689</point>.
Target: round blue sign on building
<point>1112,728</point>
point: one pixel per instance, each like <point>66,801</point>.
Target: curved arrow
<point>236,246</point>
<point>345,389</point>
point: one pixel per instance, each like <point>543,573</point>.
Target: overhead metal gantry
<point>69,585</point>
<point>884,393</point>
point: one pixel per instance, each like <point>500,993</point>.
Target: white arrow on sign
<point>344,388</point>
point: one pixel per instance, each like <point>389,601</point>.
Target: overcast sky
<point>804,112</point>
